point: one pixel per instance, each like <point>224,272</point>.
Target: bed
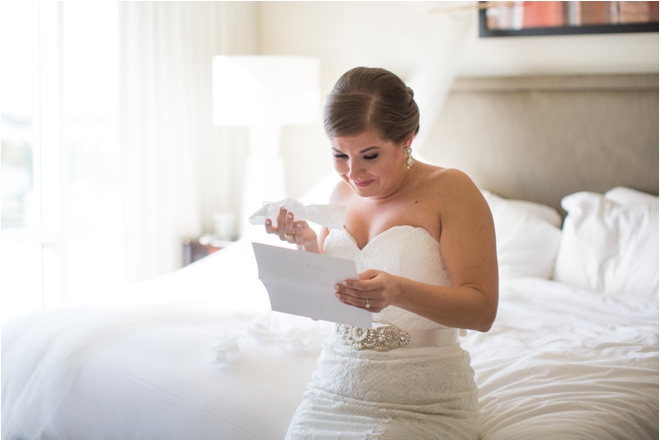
<point>573,352</point>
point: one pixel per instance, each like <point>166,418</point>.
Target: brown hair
<point>371,98</point>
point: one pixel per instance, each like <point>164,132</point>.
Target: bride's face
<point>371,166</point>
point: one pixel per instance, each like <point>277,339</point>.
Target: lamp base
<point>264,181</point>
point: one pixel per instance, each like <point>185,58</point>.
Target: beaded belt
<point>386,338</point>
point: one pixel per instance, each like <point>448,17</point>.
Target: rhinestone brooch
<point>382,339</point>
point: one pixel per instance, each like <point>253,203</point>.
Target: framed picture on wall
<point>528,18</point>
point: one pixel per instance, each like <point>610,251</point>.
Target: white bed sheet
<point>564,363</point>
<point>559,362</point>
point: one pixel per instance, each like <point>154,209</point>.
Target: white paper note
<point>302,283</point>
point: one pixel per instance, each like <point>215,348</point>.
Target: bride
<point>424,243</point>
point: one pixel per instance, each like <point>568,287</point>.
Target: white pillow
<point>609,247</point>
<point>628,196</point>
<point>527,236</point>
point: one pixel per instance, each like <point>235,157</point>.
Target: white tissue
<point>331,216</point>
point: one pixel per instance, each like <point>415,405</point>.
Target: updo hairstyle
<point>371,98</point>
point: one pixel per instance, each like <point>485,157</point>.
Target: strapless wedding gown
<point>405,393</point>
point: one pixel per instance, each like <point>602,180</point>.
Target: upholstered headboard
<point>541,138</point>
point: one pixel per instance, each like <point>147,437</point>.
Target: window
<point>61,239</point>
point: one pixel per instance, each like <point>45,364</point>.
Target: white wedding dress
<point>405,393</point>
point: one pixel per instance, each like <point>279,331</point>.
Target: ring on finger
<point>290,236</point>
<point>367,305</point>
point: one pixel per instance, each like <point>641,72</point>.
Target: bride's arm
<point>467,243</point>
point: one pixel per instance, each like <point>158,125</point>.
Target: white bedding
<point>565,363</point>
<point>197,354</point>
<point>559,362</point>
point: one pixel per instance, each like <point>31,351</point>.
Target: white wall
<point>398,35</point>
<point>560,54</point>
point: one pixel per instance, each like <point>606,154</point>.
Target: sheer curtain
<point>432,78</point>
<point>178,168</point>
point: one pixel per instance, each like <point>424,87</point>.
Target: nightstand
<point>195,249</point>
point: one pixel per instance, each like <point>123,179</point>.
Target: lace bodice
<point>404,251</point>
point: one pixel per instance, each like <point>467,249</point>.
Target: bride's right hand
<point>292,231</point>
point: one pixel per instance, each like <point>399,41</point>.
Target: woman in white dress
<point>424,243</point>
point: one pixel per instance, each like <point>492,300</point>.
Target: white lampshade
<point>265,90</point>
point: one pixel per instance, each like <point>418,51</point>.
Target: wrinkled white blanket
<point>560,362</point>
<point>564,363</point>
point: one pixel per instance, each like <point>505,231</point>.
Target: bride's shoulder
<point>448,177</point>
<point>451,183</point>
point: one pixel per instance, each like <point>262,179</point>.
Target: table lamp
<point>264,92</point>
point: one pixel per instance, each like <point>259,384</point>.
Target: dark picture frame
<point>614,28</point>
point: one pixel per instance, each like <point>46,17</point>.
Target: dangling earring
<point>409,159</point>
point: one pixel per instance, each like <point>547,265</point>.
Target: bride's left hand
<point>376,288</point>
